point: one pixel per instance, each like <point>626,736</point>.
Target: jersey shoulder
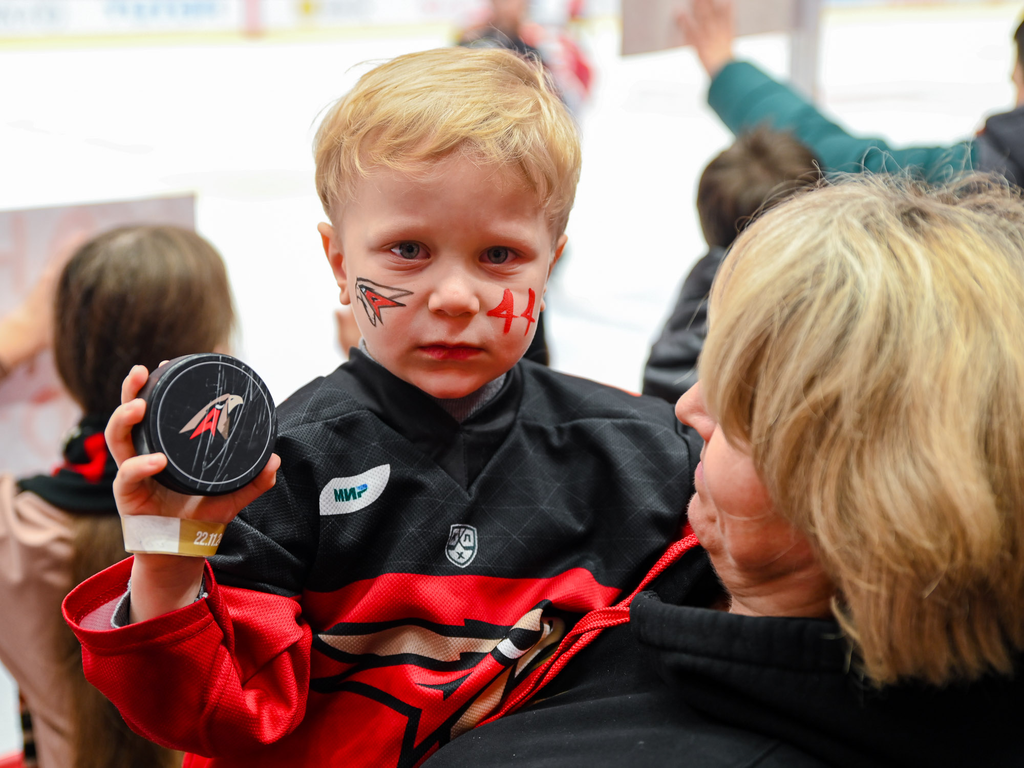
<point>561,398</point>
<point>325,398</point>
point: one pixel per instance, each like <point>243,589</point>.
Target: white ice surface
<point>232,121</point>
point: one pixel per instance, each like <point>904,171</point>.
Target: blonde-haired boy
<point>443,512</point>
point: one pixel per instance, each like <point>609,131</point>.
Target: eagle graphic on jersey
<point>374,297</point>
<point>459,674</point>
<point>213,417</point>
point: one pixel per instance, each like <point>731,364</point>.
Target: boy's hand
<point>710,28</point>
<point>162,583</point>
<point>135,491</point>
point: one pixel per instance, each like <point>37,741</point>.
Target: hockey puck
<point>213,418</point>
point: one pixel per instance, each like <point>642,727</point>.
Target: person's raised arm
<point>710,28</point>
<point>745,98</point>
<point>163,583</point>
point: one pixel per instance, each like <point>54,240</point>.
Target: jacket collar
<point>461,450</point>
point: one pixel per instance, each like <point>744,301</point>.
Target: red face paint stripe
<point>528,314</point>
<point>505,309</point>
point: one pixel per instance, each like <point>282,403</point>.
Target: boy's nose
<point>454,296</point>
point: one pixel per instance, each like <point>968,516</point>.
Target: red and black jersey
<point>405,574</point>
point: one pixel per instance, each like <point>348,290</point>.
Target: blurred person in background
<point>745,97</point>
<point>507,24</point>
<point>144,293</point>
<point>761,169</point>
<point>504,27</point>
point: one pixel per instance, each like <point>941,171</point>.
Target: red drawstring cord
<point>591,625</point>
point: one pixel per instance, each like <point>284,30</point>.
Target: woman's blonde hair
<point>492,105</point>
<point>867,341</point>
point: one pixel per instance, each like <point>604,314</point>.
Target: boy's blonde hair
<point>492,105</point>
<point>867,342</point>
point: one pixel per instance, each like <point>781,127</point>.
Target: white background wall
<point>231,120</point>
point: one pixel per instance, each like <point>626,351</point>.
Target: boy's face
<point>446,270</point>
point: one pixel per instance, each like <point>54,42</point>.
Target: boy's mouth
<point>450,351</point>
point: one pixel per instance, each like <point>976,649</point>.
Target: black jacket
<point>685,685</point>
<point>672,366</point>
<point>1000,145</point>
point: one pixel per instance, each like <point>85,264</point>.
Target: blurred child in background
<point>139,293</point>
<point>759,170</point>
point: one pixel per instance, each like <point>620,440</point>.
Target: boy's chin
<point>451,391</point>
<point>450,387</point>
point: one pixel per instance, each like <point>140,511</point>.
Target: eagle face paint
<point>374,297</point>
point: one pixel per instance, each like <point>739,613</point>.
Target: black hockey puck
<point>213,418</point>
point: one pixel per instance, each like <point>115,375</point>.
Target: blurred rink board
<point>35,412</point>
<point>650,25</point>
<point>34,19</point>
<point>56,18</point>
<point>26,19</point>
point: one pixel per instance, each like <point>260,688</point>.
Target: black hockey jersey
<point>409,571</point>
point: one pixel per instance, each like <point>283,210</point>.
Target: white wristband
<point>153,534</point>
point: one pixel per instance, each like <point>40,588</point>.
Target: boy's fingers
<point>134,471</point>
<point>133,382</point>
<point>118,433</point>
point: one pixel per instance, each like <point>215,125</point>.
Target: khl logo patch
<point>343,495</point>
<point>461,547</point>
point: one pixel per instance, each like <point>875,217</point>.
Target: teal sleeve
<point>745,97</point>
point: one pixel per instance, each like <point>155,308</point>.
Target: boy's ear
<point>332,249</point>
<point>559,247</point>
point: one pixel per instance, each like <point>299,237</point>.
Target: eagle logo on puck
<point>461,547</point>
<point>374,297</point>
<point>213,417</point>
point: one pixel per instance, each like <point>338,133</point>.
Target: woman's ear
<point>332,249</point>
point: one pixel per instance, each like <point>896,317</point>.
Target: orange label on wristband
<point>152,534</point>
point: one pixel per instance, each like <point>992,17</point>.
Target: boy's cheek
<point>517,313</point>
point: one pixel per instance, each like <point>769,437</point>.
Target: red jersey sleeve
<point>224,675</point>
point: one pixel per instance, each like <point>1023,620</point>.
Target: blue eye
<point>497,255</point>
<point>407,250</point>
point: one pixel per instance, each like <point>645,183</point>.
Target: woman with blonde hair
<point>137,294</point>
<point>857,595</point>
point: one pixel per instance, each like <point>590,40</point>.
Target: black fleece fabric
<point>685,685</point>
